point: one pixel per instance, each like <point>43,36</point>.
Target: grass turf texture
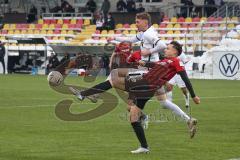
<point>29,128</point>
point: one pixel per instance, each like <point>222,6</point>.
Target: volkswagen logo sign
<point>229,65</point>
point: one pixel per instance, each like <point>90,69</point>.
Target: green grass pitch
<point>30,130</point>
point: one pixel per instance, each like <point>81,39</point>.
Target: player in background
<point>177,81</point>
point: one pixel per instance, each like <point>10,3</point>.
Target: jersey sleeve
<point>179,66</point>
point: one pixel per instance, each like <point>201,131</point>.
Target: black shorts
<point>140,91</point>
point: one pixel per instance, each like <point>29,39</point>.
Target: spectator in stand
<point>105,63</point>
<point>140,8</point>
<point>131,6</point>
<point>187,8</point>
<point>110,22</point>
<point>53,62</point>
<point>121,6</point>
<point>99,22</point>
<point>65,58</point>
<point>91,6</point>
<point>32,14</point>
<point>105,8</point>
<point>209,9</point>
<point>68,8</point>
<point>161,16</point>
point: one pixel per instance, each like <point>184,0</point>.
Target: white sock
<point>169,95</point>
<point>186,99</point>
<point>177,110</point>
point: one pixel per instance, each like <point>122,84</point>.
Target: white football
<point>55,78</point>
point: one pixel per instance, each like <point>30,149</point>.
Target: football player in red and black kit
<point>142,87</point>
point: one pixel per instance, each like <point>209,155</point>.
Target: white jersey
<point>149,40</point>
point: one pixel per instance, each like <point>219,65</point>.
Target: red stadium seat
<point>219,19</point>
<point>4,32</point>
<point>97,32</point>
<point>192,25</point>
<point>58,26</point>
<point>57,32</point>
<point>184,25</point>
<point>38,26</point>
<point>207,25</point>
<point>118,32</point>
<point>162,32</point>
<point>126,25</point>
<point>47,21</point>
<point>53,21</point>
<point>162,25</point>
<point>196,19</point>
<point>181,19</point>
<point>66,21</point>
<point>78,26</point>
<point>211,19</point>
<point>165,19</point>
<point>79,21</point>
<point>72,26</point>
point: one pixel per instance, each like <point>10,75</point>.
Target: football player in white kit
<point>177,81</point>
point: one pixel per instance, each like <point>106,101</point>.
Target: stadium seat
<point>170,32</point>
<point>133,26</point>
<point>219,19</point>
<point>55,38</point>
<point>181,19</point>
<point>70,32</point>
<point>169,25</point>
<point>62,38</point>
<point>125,32</point>
<point>46,21</point>
<point>73,21</point>
<point>32,26</point>
<point>155,25</point>
<point>226,19</point>
<point>177,25</point>
<point>63,32</point>
<point>12,26</point>
<point>66,21</point>
<point>57,32</point>
<point>87,22</point>
<point>65,26</point>
<point>43,32</point>
<point>10,32</point>
<point>30,31</point>
<point>97,32</point>
<point>38,26</point>
<point>78,26</point>
<point>177,32</point>
<point>133,32</point>
<point>6,26</point>
<point>59,21</point>
<point>162,32</point>
<point>126,25</point>
<point>188,19</point>
<point>207,25</point>
<point>50,32</point>
<point>36,31</point>
<point>79,21</point>
<point>162,25</point>
<point>45,26</point>
<point>165,19</point>
<point>211,19</point>
<point>215,25</point>
<point>118,32</point>
<point>52,26</point>
<point>71,26</point>
<point>17,31</point>
<point>119,25</point>
<point>184,25</point>
<point>231,26</point>
<point>104,32</point>
<point>196,19</point>
<point>192,25</point>
<point>111,32</point>
<point>234,19</point>
<point>173,20</point>
<point>40,21</point>
<point>58,26</point>
<point>203,19</point>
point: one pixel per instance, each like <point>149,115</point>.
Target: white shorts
<point>177,81</point>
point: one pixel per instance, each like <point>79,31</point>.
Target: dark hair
<point>177,46</point>
<point>145,16</point>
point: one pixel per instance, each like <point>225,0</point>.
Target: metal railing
<point>66,15</point>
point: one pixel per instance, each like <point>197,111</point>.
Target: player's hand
<point>110,39</point>
<point>196,100</point>
<point>141,63</point>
